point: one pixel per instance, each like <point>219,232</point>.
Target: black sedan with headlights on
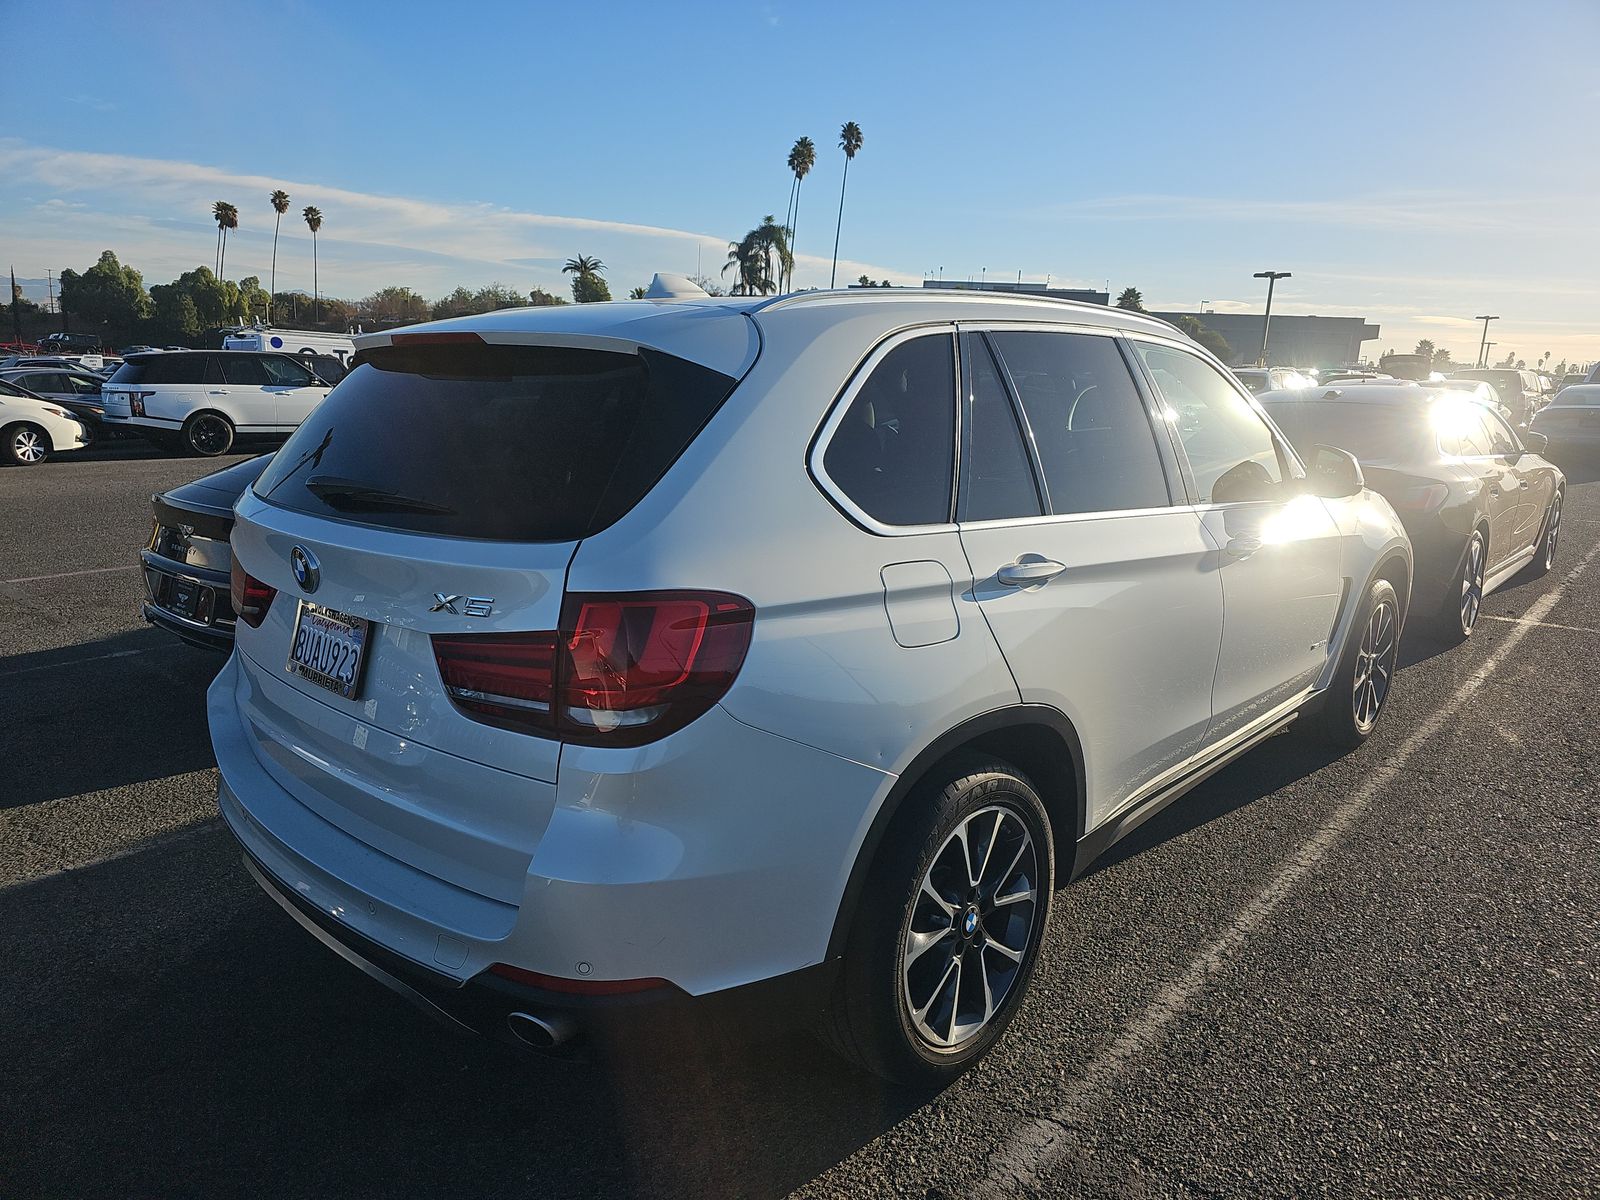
<point>187,562</point>
<point>1477,500</point>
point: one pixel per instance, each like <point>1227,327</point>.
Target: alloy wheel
<point>209,435</point>
<point>972,927</point>
<point>1552,532</point>
<point>1375,661</point>
<point>28,445</point>
<point>1472,584</point>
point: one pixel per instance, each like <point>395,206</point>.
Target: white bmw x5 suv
<point>768,657</point>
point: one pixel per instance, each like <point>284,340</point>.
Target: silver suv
<point>613,663</point>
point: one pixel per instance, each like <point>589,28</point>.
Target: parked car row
<point>777,658</point>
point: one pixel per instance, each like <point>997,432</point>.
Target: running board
<point>1100,839</point>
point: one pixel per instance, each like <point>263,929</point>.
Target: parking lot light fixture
<point>1483,345</point>
<point>1272,278</point>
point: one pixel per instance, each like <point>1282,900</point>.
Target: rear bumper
<point>211,625</point>
<point>715,860</point>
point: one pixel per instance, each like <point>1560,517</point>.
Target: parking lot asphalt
<point>1370,975</point>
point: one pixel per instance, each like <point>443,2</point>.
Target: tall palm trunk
<point>794,221</point>
<point>833,278</point>
<point>216,255</point>
<point>273,286</point>
<point>316,288</point>
<point>222,259</point>
<point>788,216</point>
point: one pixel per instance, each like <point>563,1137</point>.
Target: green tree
<point>637,293</point>
<point>850,142</point>
<point>539,298</point>
<point>254,300</point>
<point>280,205</point>
<point>108,298</point>
<point>1204,334</point>
<point>227,217</point>
<point>587,286</point>
<point>176,320</point>
<point>1425,347</point>
<point>802,157</point>
<point>395,306</point>
<point>313,218</point>
<point>1441,359</point>
<point>1131,299</point>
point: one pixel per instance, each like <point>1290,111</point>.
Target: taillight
<point>624,669</point>
<point>136,402</point>
<point>251,597</point>
<point>1422,499</point>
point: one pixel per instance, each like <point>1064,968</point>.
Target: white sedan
<point>32,429</point>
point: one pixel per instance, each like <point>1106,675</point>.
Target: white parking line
<point>1541,624</point>
<point>1045,1140</point>
<point>73,662</point>
<point>72,574</point>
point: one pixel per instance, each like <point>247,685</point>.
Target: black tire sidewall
<point>1338,719</point>
<point>1450,609</point>
<point>10,448</point>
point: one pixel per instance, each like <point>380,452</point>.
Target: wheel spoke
<point>988,851</point>
<point>1003,949</point>
<point>966,854</point>
<point>919,944</point>
<point>955,999</point>
<point>1012,898</point>
<point>944,905</point>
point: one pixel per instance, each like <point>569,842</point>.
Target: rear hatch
<point>440,491</point>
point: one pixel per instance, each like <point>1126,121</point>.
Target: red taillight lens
<point>624,668</point>
<point>251,597</point>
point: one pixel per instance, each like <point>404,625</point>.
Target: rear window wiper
<point>353,495</point>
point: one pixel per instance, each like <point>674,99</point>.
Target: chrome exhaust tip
<point>540,1033</point>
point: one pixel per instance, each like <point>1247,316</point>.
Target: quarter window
<point>243,370</point>
<point>1095,442</point>
<point>893,454</point>
<point>997,483</point>
<point>1230,449</point>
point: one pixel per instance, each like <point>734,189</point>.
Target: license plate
<point>328,648</point>
<point>190,599</point>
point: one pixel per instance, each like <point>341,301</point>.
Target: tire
<point>1463,602</point>
<point>25,445</point>
<point>945,947</point>
<point>1352,705</point>
<point>1549,535</point>
<point>207,434</point>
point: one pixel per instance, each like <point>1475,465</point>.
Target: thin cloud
<point>1414,210</point>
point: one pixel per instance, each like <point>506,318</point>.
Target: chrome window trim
<point>1109,515</point>
<point>841,405</point>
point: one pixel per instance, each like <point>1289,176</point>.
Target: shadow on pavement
<point>177,1034</point>
<point>123,709</point>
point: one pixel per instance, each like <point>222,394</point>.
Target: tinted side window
<point>1501,439</point>
<point>242,370</point>
<point>284,372</point>
<point>176,368</point>
<point>1230,449</point>
<point>1094,437</point>
<point>893,453</point>
<point>997,482</point>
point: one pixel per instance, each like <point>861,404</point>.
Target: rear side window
<point>893,453</point>
<point>242,370</point>
<point>170,368</point>
<point>508,443</point>
<point>285,372</point>
<point>997,482</point>
<point>1094,437</point>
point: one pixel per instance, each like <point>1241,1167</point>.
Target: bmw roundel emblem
<point>307,571</point>
<point>970,921</point>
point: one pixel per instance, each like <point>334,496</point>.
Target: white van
<point>301,342</point>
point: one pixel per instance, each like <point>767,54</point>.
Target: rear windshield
<point>508,443</point>
<point>1507,383</point>
<point>1372,432</point>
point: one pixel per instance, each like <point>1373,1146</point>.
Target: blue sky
<point>1413,163</point>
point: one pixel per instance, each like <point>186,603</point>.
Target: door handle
<point>219,392</point>
<point>1243,547</point>
<point>1523,485</point>
<point>1035,570</point>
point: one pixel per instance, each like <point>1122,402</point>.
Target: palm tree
<point>583,265</point>
<point>751,258</point>
<point>849,142</point>
<point>587,286</point>
<point>637,293</point>
<point>280,205</point>
<point>801,159</point>
<point>226,217</point>
<point>313,218</point>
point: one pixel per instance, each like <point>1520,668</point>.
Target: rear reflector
<point>576,987</point>
<point>251,597</point>
<point>624,669</point>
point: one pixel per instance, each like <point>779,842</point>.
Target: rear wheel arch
<point>1039,741</point>
<point>1397,570</point>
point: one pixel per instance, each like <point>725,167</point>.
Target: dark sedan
<point>1572,421</point>
<point>1477,501</point>
<point>187,563</point>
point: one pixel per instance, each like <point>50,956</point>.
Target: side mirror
<point>1334,473</point>
<point>1537,443</point>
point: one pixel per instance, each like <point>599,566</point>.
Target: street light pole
<point>1483,346</point>
<point>1272,278</point>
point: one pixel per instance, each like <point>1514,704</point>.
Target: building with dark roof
<point>1295,341</point>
